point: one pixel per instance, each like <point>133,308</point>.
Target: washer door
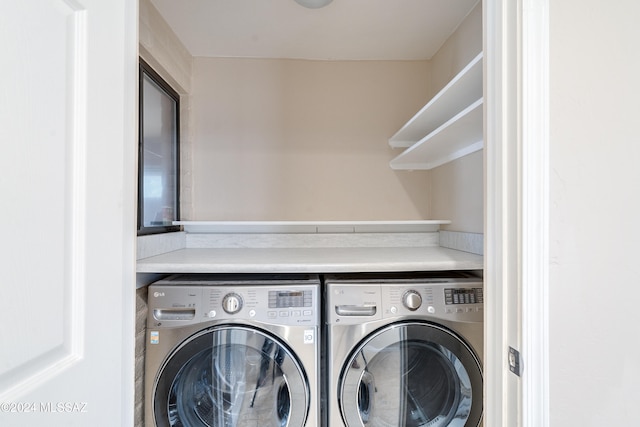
<point>411,374</point>
<point>231,376</point>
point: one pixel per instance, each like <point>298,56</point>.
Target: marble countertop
<point>309,260</point>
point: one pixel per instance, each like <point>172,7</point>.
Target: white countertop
<point>308,247</point>
<point>309,260</point>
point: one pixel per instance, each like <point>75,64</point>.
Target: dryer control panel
<point>447,299</point>
<point>455,301</point>
<point>458,296</point>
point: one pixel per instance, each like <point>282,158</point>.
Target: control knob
<point>412,300</point>
<point>232,303</point>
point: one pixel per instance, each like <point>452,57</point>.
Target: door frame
<point>516,46</point>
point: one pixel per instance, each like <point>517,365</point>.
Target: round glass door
<point>414,375</point>
<point>231,376</point>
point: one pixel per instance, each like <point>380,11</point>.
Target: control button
<point>252,313</point>
<point>212,313</point>
<point>412,300</point>
<point>284,314</point>
<point>448,311</point>
<point>307,312</point>
<point>448,296</point>
<point>393,310</point>
<point>431,309</point>
<point>272,314</point>
<point>470,310</point>
<point>459,310</point>
<point>232,303</point>
<point>296,313</point>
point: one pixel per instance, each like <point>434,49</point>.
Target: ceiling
<point>343,30</point>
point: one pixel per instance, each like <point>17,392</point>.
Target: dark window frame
<point>146,70</point>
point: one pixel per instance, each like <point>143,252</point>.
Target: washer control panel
<point>283,305</point>
<point>290,298</point>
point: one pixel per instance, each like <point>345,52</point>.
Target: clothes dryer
<point>233,351</point>
<point>404,350</point>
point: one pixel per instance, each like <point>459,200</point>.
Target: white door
<point>67,183</point>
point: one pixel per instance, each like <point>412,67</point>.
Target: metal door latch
<point>514,361</point>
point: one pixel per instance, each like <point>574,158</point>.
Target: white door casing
<point>502,389</point>
<point>534,330</point>
<point>517,211</point>
<point>68,132</point>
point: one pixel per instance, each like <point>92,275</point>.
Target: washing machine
<point>404,350</point>
<point>233,351</point>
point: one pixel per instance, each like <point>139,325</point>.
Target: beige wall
<point>594,176</point>
<point>304,140</point>
<point>457,191</point>
<point>460,48</point>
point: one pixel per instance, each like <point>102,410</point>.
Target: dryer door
<point>411,374</point>
<point>231,376</point>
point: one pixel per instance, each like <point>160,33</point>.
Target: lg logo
<point>158,294</point>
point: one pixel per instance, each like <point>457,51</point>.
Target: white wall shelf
<point>460,136</point>
<point>449,126</point>
<point>409,226</point>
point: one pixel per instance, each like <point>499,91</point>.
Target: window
<point>158,157</point>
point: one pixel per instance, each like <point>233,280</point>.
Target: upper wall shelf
<point>449,126</point>
<point>306,227</point>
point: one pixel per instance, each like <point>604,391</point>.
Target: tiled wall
<point>467,242</point>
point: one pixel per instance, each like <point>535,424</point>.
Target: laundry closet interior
<point>340,162</point>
